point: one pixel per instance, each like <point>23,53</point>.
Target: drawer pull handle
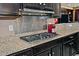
<point>53,53</point>
<point>71,37</point>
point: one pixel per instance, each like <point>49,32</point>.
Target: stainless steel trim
<point>33,14</point>
<point>36,11</point>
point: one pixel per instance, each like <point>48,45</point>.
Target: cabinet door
<point>72,52</point>
<point>68,50</point>
<point>45,53</point>
<point>55,51</point>
<point>65,50</point>
<point>69,45</point>
<point>76,36</point>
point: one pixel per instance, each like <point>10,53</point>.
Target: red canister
<point>50,28</point>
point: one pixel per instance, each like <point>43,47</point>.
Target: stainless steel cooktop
<point>40,36</point>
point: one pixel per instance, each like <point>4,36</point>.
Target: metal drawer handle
<point>71,37</point>
<point>53,53</point>
<point>49,54</point>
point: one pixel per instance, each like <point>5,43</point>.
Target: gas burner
<point>40,36</point>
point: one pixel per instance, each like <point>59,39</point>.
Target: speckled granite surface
<point>11,44</point>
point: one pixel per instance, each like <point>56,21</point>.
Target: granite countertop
<point>12,44</point>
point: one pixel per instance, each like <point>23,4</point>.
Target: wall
<point>31,23</point>
<point>70,4</point>
<point>23,24</point>
<point>4,27</point>
<point>8,8</point>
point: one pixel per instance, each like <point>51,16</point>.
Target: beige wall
<point>22,25</point>
<point>4,27</point>
<point>70,4</point>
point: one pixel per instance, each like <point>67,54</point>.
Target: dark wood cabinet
<point>70,45</point>
<point>52,48</point>
<point>44,47</point>
<point>65,50</point>
<point>55,51</point>
<point>77,40</point>
<point>44,53</point>
<point>52,51</point>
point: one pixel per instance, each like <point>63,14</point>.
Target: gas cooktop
<point>40,36</point>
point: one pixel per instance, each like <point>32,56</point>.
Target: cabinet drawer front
<point>44,53</point>
<point>43,47</point>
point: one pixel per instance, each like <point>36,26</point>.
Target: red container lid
<point>55,20</point>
